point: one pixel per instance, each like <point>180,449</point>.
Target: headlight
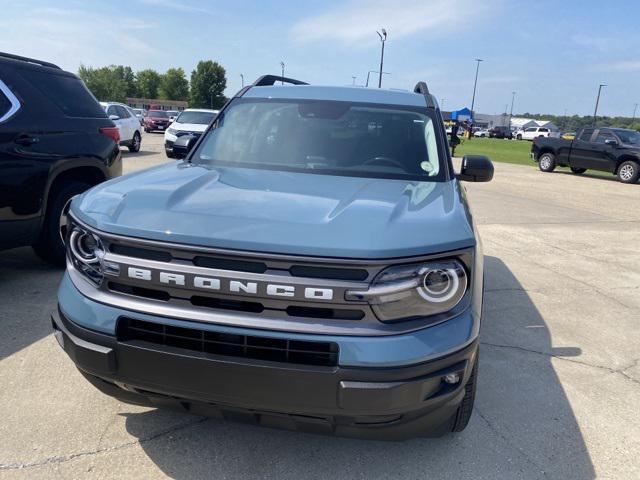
<point>86,252</point>
<point>171,131</point>
<point>419,290</point>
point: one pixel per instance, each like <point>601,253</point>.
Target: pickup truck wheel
<point>135,143</point>
<point>547,162</point>
<point>50,245</point>
<point>629,172</point>
<point>519,137</point>
<point>578,170</point>
<point>463,414</point>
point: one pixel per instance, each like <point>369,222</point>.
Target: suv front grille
<point>227,344</point>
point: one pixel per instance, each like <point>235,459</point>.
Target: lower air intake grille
<point>217,343</point>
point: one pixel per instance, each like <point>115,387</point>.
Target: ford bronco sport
<point>311,263</point>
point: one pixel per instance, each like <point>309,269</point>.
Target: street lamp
<point>383,38</point>
<point>633,119</point>
<point>595,112</point>
<point>475,83</point>
<point>513,97</point>
<point>354,80</point>
<point>242,78</point>
<point>282,65</point>
<point>373,71</point>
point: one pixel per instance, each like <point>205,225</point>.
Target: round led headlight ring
<point>440,285</point>
<point>85,246</point>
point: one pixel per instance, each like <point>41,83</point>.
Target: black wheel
<point>50,245</point>
<point>135,143</point>
<point>578,171</point>
<point>463,414</point>
<point>146,130</point>
<point>629,172</point>
<point>519,137</point>
<point>482,135</point>
<point>547,162</point>
<point>169,154</point>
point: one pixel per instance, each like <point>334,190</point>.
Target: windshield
<point>337,138</point>
<point>202,118</point>
<point>158,114</point>
<point>628,136</point>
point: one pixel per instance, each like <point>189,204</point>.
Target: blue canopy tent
<point>462,115</point>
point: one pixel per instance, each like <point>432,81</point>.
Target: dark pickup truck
<point>614,150</point>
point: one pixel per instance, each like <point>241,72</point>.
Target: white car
<point>140,113</point>
<point>532,132</point>
<point>192,121</point>
<point>127,123</point>
<point>173,114</point>
<point>481,132</point>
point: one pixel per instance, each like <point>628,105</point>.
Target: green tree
<point>148,83</point>
<point>113,83</point>
<point>208,82</point>
<point>174,85</point>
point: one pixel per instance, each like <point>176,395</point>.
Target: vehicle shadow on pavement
<point>523,425</point>
<point>28,287</point>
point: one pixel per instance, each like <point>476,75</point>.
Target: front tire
<point>578,171</point>
<point>518,137</point>
<point>169,154</point>
<point>135,143</point>
<point>547,162</point>
<point>463,414</point>
<point>50,246</point>
<point>629,172</point>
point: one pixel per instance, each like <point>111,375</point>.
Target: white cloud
<point>620,66</point>
<point>357,21</point>
<point>176,5</point>
<point>69,37</point>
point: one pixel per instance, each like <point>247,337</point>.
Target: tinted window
<point>335,138</point>
<point>530,129</point>
<point>111,110</point>
<point>629,136</point>
<point>5,104</point>
<point>67,92</point>
<point>122,112</point>
<point>157,114</point>
<point>586,134</point>
<point>203,118</point>
<point>602,137</point>
<point>543,130</point>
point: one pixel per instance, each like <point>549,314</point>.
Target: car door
<point>529,133</point>
<point>580,156</point>
<point>126,131</point>
<point>601,155</point>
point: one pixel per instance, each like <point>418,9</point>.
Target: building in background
<point>520,123</point>
<point>157,104</point>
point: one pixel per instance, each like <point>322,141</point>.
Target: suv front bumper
<point>390,404</point>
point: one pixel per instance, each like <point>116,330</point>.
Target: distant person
<point>455,140</point>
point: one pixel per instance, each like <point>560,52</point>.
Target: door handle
<point>26,140</point>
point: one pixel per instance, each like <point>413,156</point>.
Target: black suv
<point>500,132</point>
<point>55,142</point>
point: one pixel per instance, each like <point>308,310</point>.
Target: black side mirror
<point>183,145</point>
<point>611,141</point>
<point>475,168</point>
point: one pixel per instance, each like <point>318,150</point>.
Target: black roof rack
<point>267,80</point>
<point>29,60</point>
<point>421,87</point>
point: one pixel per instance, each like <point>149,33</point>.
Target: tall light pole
<point>635,108</point>
<point>595,112</point>
<point>442,103</point>
<point>354,80</point>
<point>373,71</point>
<point>282,65</point>
<point>383,38</point>
<point>513,97</point>
<point>475,83</point>
<point>242,78</point>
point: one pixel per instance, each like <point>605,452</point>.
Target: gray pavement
<point>559,386</point>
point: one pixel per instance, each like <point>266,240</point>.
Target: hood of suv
<point>281,212</point>
<point>189,127</point>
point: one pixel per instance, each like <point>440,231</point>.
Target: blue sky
<point>552,53</point>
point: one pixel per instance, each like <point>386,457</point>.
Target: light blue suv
<point>309,263</point>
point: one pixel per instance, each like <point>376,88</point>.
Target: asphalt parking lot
<point>559,384</point>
